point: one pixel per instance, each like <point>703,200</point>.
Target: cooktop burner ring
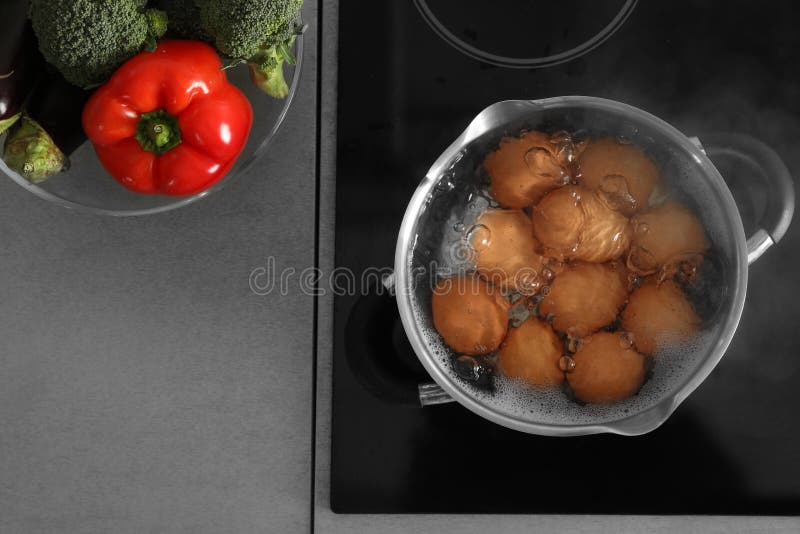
<point>519,62</point>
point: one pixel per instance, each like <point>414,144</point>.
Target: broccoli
<point>260,32</point>
<point>86,40</point>
<point>266,68</point>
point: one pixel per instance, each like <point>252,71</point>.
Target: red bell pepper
<point>169,121</point>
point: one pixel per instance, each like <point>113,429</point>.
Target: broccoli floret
<point>241,28</point>
<point>260,32</point>
<point>86,40</point>
<point>156,26</point>
<point>266,68</point>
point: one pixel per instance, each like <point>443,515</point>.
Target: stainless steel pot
<point>446,195</point>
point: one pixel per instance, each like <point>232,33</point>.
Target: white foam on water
<point>673,367</point>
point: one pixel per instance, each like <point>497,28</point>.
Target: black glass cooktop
<point>404,94</point>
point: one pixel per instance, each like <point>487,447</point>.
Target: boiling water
<point>461,195</point>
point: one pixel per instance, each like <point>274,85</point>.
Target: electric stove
<point>411,77</point>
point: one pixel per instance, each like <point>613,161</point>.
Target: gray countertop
<point>145,388</point>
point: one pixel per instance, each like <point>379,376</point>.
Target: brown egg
<point>658,315</point>
<point>622,174</point>
<point>558,221</point>
<point>572,223</point>
<point>585,297</point>
<point>665,237</point>
<point>505,250</point>
<point>470,314</point>
<point>530,353</point>
<point>524,168</point>
<point>607,369</point>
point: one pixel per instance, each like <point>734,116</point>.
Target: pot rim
<point>635,424</point>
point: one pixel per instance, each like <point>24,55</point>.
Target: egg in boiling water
<point>606,369</point>
<point>524,168</point>
<point>470,314</point>
<point>531,353</point>
<point>572,223</point>
<point>659,314</point>
<point>621,173</point>
<point>505,250</point>
<point>585,297</point>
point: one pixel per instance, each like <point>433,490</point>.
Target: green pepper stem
<point>158,132</point>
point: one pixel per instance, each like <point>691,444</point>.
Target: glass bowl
<point>87,187</point>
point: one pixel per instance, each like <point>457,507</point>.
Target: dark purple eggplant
<point>39,144</point>
<point>20,61</point>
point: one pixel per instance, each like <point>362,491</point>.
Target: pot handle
<point>775,178</point>
<point>430,393</point>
